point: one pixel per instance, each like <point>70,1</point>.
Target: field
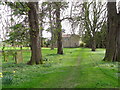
<point>77,68</point>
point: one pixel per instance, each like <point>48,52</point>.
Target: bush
<point>82,44</point>
<point>7,78</point>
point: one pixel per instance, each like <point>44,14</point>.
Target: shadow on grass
<point>52,54</point>
<point>13,65</point>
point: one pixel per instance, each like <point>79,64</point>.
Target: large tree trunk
<point>93,45</point>
<point>112,36</point>
<point>59,30</point>
<point>36,56</point>
<point>118,39</point>
<point>93,41</point>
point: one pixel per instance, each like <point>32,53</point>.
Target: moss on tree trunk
<point>36,55</point>
<point>113,42</point>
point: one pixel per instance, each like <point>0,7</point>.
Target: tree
<point>118,39</point>
<point>113,33</point>
<point>31,10</point>
<point>51,25</point>
<point>52,10</point>
<point>41,17</point>
<point>100,38</point>
<point>58,28</point>
<point>53,29</point>
<point>36,55</point>
<point>19,35</point>
<point>93,18</point>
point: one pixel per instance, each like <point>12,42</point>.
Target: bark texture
<point>113,34</point>
<point>36,56</point>
<point>51,27</point>
<point>118,39</point>
<point>93,45</point>
<point>59,29</point>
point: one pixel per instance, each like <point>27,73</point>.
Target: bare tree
<point>93,17</point>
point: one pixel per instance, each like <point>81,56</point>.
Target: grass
<point>77,68</point>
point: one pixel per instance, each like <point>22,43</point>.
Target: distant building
<point>70,40</point>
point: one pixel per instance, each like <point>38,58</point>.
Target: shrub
<point>82,44</point>
<point>7,78</point>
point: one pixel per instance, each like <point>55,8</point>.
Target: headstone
<point>5,55</point>
<point>5,58</point>
<point>19,58</point>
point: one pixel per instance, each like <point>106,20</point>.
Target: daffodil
<point>13,71</point>
<point>1,76</point>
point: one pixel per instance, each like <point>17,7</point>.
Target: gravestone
<point>18,57</point>
<point>5,56</point>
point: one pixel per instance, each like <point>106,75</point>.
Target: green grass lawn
<point>77,68</point>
